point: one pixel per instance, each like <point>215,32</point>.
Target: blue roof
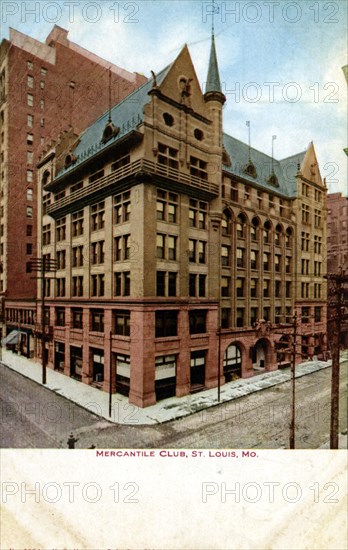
<point>213,79</point>
<point>126,115</point>
<point>285,169</point>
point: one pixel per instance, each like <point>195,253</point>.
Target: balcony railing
<point>128,170</point>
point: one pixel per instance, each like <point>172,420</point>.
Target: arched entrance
<point>259,354</point>
<point>232,363</point>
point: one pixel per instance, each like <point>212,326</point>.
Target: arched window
<point>226,222</point>
<point>288,237</point>
<point>267,231</point>
<point>278,235</point>
<point>241,226</point>
<point>254,229</point>
<point>232,363</point>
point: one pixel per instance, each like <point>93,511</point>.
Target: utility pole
<point>43,265</point>
<point>293,392</point>
<point>335,316</point>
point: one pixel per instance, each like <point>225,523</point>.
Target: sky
<point>280,61</point>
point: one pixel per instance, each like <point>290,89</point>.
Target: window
<point>240,287</point>
<point>166,323</point>
<point>46,234</point>
<point>288,289</point>
<point>168,156</point>
<point>60,316</point>
<point>198,168</point>
<point>195,279</point>
<point>277,315</point>
<point>97,252</point>
<point>97,320</point>
<point>160,246</point>
<point>122,283</point>
<point>166,246</point>
<point>225,256</point>
<point>197,321</point>
<point>253,259</point>
<point>167,205</point>
<point>287,264</point>
<point>30,157</point>
<point>30,121</point>
<point>30,81</point>
<point>60,286</point>
<point>42,84</point>
<point>317,290</point>
<point>43,71</point>
<point>77,318</point>
<point>122,161</point>
<point>77,285</point>
<point>30,139</point>
<point>98,284</point>
<point>277,262</point>
<point>122,208</point>
<point>76,187</point>
<point>198,214</point>
<point>253,315</point>
<point>266,261</point>
<point>29,231</point>
<point>305,190</point>
<point>305,241</point>
<point>317,244</point>
<point>277,288</point>
<point>317,218</point>
<point>166,283</point>
<point>241,226</point>
<point>29,176</point>
<point>304,267</point>
<point>266,288</point>
<point>240,257</point>
<point>240,317</point>
<point>225,287</point>
<point>305,315</point>
<point>30,65</point>
<point>97,216</point>
<point>77,223</point>
<point>168,119</point>
<point>172,247</point>
<point>201,252</point>
<point>267,313</point>
<point>121,322</point>
<point>58,196</point>
<point>253,288</point>
<point>226,223</point>
<point>305,213</point>
<point>29,194</point>
<point>98,365</point>
<point>288,237</point>
<point>61,229</point>
<point>267,232</point>
<point>46,201</point>
<point>42,104</point>
<point>29,249</point>
<point>317,314</point>
<point>77,256</point>
<point>225,317</point>
<point>61,259</point>
<point>254,229</point>
<point>42,122</point>
<point>304,290</point>
<point>29,211</point>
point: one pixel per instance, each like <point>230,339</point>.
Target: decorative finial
<point>273,139</point>
<point>249,146</point>
<point>109,120</point>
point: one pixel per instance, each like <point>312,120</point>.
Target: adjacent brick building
<point>45,88</point>
<point>182,253</point>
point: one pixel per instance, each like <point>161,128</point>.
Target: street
<point>33,416</point>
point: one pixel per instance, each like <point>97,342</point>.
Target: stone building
<point>182,252</point>
<point>45,88</point>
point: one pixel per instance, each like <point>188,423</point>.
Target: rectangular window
<point>97,320</point>
<point>277,288</point>
<point>29,176</point>
<point>201,285</point>
<point>77,285</point>
<point>160,246</point>
<point>161,283</point>
<point>76,187</point>
<point>253,315</point>
<point>29,194</point>
<point>121,322</point>
<point>30,121</point>
<point>253,259</point>
<point>61,229</point>
<point>77,318</point>
<point>277,262</point>
<point>29,211</point>
<point>77,223</point>
<point>317,314</point>
<point>77,256</point>
<point>30,65</point>
<point>171,247</point>
<point>198,168</point>
<point>30,81</point>
<point>225,317</point>
<point>29,248</point>
<point>120,162</point>
<point>30,157</point>
<point>201,252</point>
<point>225,287</point>
<point>198,214</point>
<point>60,281</point>
<point>97,253</point>
<point>98,284</point>
<point>197,321</point>
<point>240,287</point>
<point>253,288</point>
<point>29,230</point>
<point>305,214</point>
<point>168,156</point>
<point>60,316</point>
<point>240,317</point>
<point>167,206</point>
<point>46,234</point>
<point>225,256</point>
<point>166,323</point>
<point>266,288</point>
<point>61,259</point>
<point>122,208</point>
<point>98,216</point>
<point>43,71</point>
<point>122,283</point>
<point>305,315</point>
<point>288,289</point>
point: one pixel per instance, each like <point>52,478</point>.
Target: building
<point>45,88</point>
<point>182,252</point>
<point>337,250</point>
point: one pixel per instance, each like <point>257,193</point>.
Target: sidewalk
<point>97,401</point>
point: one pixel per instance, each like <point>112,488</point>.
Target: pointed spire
<point>213,79</point>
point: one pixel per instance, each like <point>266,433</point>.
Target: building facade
<point>45,88</point>
<point>181,252</point>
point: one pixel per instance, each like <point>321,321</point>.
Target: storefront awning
<point>11,338</point>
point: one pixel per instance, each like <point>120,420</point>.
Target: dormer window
<point>250,170</point>
<point>168,119</point>
<point>273,180</point>
<point>110,131</point>
<point>226,160</point>
<point>69,160</point>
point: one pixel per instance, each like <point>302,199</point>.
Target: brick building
<point>45,88</point>
<point>337,248</point>
<point>182,253</point>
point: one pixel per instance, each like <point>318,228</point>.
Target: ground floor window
<point>232,363</point>
<point>122,366</point>
<point>165,376</point>
<point>76,362</point>
<point>197,368</point>
<point>59,356</point>
<point>98,365</point>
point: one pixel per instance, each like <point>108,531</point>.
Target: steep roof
<point>126,115</point>
<point>285,170</point>
<point>213,79</point>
